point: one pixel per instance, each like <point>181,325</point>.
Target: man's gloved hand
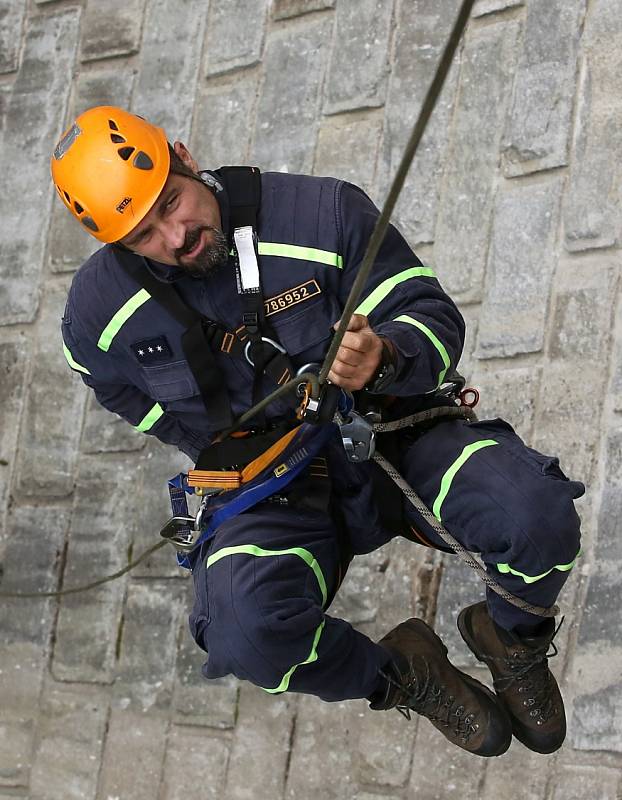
<point>358,357</point>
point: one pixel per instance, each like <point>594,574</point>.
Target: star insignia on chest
<point>152,351</point>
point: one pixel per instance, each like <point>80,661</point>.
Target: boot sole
<point>517,727</point>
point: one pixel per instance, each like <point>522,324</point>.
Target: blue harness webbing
<point>273,479</point>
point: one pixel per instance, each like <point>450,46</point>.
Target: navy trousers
<point>264,581</point>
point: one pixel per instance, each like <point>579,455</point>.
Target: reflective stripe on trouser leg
<point>507,502</point>
<point>259,607</point>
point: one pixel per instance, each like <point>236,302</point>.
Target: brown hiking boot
<point>521,677</point>
<point>420,678</point>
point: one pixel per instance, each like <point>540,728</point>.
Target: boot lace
<point>529,667</point>
<point>423,695</point>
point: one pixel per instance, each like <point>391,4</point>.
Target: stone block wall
<point>515,198</point>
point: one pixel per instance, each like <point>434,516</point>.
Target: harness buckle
<point>358,437</point>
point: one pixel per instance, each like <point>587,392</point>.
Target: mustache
<point>192,237</point>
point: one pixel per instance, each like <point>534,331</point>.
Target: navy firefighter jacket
<point>312,237</point>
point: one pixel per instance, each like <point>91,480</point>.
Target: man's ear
<point>183,152</point>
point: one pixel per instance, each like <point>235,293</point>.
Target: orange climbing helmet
<point>109,168</point>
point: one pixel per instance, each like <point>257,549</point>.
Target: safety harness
<point>254,339</point>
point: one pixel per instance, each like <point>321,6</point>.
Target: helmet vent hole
<point>67,198</point>
<point>78,207</point>
<point>117,138</point>
<point>125,152</point>
<point>89,223</point>
<point>113,125</point>
<point>142,161</point>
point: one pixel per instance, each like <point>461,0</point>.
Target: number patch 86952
<point>291,297</point>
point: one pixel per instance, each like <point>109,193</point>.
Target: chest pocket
<point>306,334</point>
<point>168,382</point>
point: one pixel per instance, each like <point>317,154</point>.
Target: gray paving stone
<point>422,30</point>
<point>616,380</point>
<point>597,664</point>
<point>34,120</point>
<point>240,24</point>
<point>357,76</point>
<point>568,418</point>
<point>390,764</point>
<point>190,755</point>
<point>51,426</point>
<point>577,783</point>
<point>133,755</point>
<point>286,124</point>
<point>88,623</point>
<point>465,211</point>
<point>321,762</point>
<point>348,147</point>
<point>11,24</point>
<point>70,739</point>
<point>5,91</point>
<point>169,64</point>
<point>441,771</point>
<point>13,359</point>
<point>147,645</point>
<point>153,467</point>
<point>358,598</point>
<point>262,738</point>
<point>22,665</point>
<point>283,9</point>
<point>105,432</point>
<point>223,122</point>
<point>111,29</point>
<point>395,580</point>
<point>30,562</point>
<point>593,209</point>
<point>520,269</point>
<point>197,701</point>
<point>518,768</point>
<point>484,7</point>
<point>539,121</point>
<point>510,394</point>
<point>69,245</point>
<point>16,740</point>
<point>460,587</point>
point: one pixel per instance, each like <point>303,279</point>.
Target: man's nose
<point>173,234</point>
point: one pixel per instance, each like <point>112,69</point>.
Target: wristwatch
<point>385,374</point>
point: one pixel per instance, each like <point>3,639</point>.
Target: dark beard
<point>215,253</point>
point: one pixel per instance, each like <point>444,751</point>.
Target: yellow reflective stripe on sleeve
<point>507,569</point>
<point>308,558</point>
<point>435,341</point>
<point>302,253</point>
<point>120,318</point>
<point>72,362</point>
<point>381,291</point>
<point>451,473</point>
<point>150,419</point>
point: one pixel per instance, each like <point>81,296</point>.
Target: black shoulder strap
<point>243,187</point>
<point>195,341</point>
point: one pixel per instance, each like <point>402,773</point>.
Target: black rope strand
<point>88,586</point>
<point>382,223</point>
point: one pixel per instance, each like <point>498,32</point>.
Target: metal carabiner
<point>179,531</point>
<point>274,344</point>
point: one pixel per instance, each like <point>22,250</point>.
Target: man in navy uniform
<point>265,579</point>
